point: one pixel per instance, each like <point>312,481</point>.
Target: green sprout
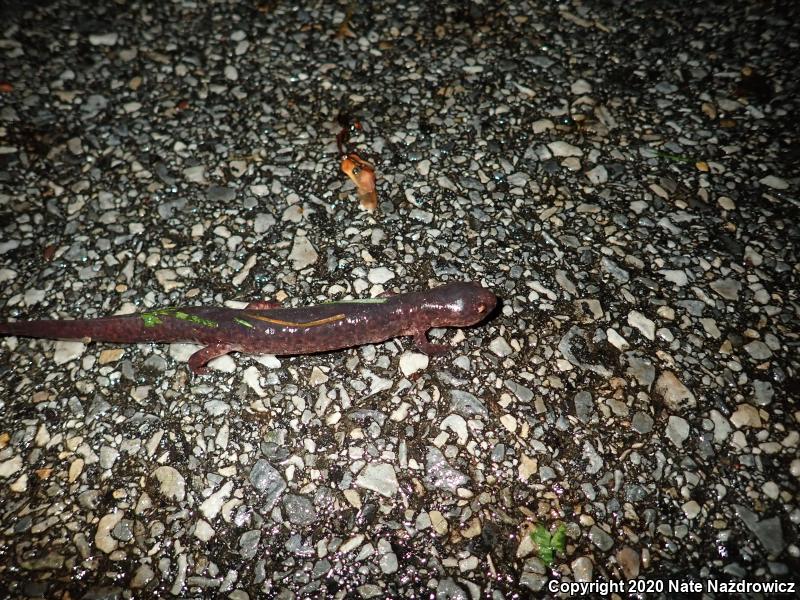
<point>549,544</point>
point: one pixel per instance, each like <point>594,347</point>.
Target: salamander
<point>266,328</point>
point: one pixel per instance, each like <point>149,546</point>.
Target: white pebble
<point>775,183</point>
<point>380,478</point>
<point>203,530</point>
<point>380,275</point>
<point>643,324</point>
<point>103,39</point>
<point>564,149</point>
<point>500,347</point>
<point>102,537</point>
<point>580,87</point>
<point>411,362</point>
<point>67,351</point>
<point>597,175</point>
<point>172,485</point>
<point>303,253</point>
<point>252,377</point>
<point>212,505</point>
<point>616,340</point>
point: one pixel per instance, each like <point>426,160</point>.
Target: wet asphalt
<point>622,175</point>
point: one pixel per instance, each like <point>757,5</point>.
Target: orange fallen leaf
<point>362,174</point>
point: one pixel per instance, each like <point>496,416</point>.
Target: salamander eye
<point>356,170</point>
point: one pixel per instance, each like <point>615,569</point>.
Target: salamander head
<point>459,304</point>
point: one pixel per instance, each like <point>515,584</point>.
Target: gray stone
<point>267,480</point>
<point>440,475</point>
<point>600,538</point>
<point>768,531</point>
<point>677,430</point>
<point>584,406</point>
<point>642,423</point>
<point>299,510</point>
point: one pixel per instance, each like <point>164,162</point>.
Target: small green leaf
<point>548,544</point>
<point>541,536</point>
<point>559,538</point>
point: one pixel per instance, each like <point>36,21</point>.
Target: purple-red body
<point>263,328</point>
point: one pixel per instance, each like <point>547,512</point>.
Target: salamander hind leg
<point>421,340</point>
<point>199,360</point>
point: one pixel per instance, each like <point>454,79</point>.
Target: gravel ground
<point>623,176</point>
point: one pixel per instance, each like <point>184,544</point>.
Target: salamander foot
<point>421,340</point>
<point>199,360</point>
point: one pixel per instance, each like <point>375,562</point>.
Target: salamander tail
<point>122,329</point>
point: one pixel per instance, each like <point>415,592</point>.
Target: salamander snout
<point>463,303</point>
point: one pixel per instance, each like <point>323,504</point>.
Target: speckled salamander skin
<point>282,331</point>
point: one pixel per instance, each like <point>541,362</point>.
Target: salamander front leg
<point>263,305</point>
<point>421,340</point>
<point>198,360</point>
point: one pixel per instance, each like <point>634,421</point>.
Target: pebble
<point>458,425</point>
<point>267,480</point>
<point>103,539</point>
<point>142,576</point>
<point>677,397</point>
<point>628,560</point>
<point>597,175</point>
<point>691,509</point>
<point>263,223</point>
<point>768,531</point>
<point>584,406</point>
<point>758,350</point>
<point>103,39</point>
<point>763,392</point>
<point>746,415</point>
<point>172,485</point>
<point>677,430</point>
<point>467,404</point>
<point>580,87</point>
<point>380,478</point>
<point>438,522</point>
<point>727,288</point>
<point>600,538</point>
<point>211,506</point>
<point>440,475</point>
<point>562,149</point>
<point>10,466</point>
<point>775,183</point>
<point>722,427</point>
<point>582,569</point>
<point>616,340</point>
<point>643,324</point>
<point>299,509</point>
<point>642,423</point>
<point>541,126</point>
<point>676,276</point>
<point>380,275</point>
<point>66,351</point>
<point>203,530</point>
<point>303,253</point>
<point>248,543</point>
<point>500,347</point>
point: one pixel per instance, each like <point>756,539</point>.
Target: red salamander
<point>265,328</point>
